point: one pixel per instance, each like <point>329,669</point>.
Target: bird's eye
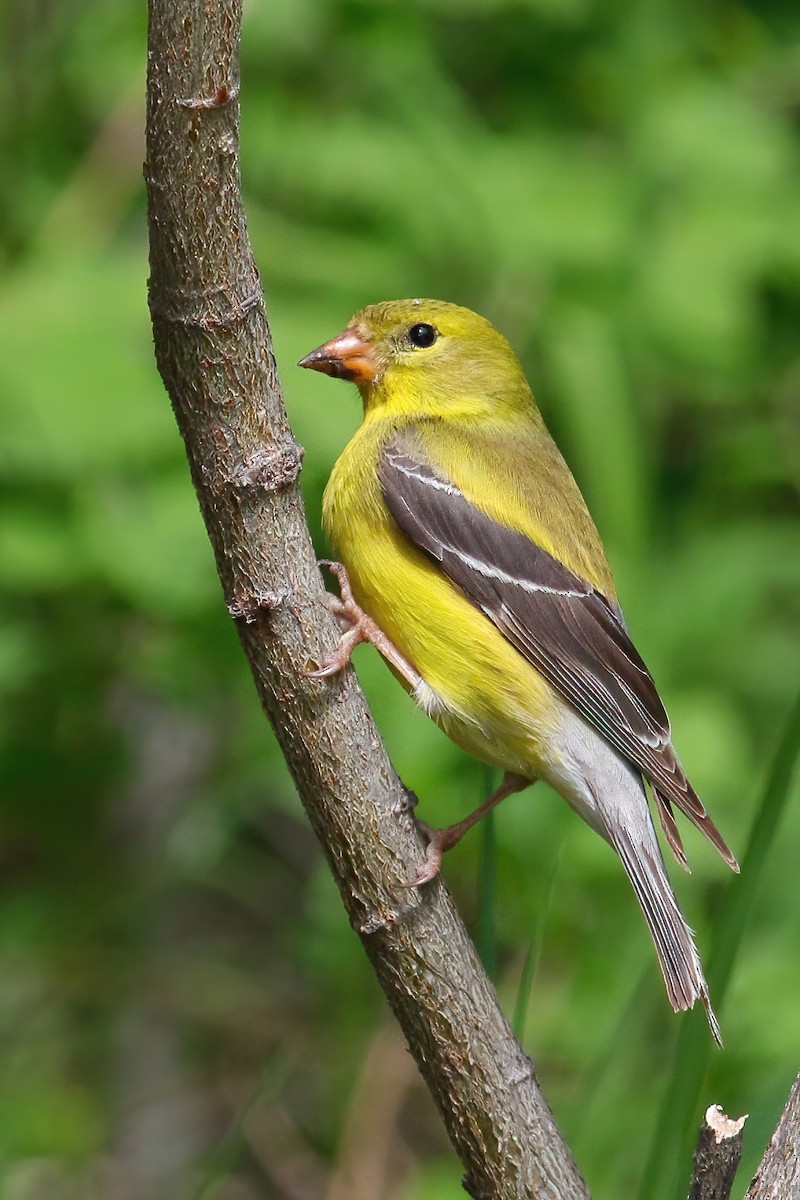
<point>422,336</point>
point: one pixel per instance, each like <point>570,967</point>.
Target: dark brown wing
<point>562,625</point>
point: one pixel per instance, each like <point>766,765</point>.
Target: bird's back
<point>513,471</point>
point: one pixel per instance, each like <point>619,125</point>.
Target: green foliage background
<point>183,1008</point>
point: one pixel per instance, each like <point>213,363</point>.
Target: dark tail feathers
<point>674,943</point>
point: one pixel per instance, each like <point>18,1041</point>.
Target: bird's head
<point>425,357</point>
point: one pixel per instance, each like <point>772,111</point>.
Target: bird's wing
<point>562,625</point>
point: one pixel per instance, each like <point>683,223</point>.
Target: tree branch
<point>717,1157</point>
<point>778,1176</point>
<point>214,354</point>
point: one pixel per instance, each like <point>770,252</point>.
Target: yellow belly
<point>478,688</point>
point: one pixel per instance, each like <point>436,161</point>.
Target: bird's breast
<point>476,686</point>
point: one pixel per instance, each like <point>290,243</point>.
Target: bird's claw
<point>357,627</point>
<point>437,843</point>
<point>325,670</point>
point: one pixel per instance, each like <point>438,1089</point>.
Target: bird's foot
<point>439,841</point>
<point>357,627</point>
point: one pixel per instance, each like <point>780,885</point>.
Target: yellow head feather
<point>436,358</point>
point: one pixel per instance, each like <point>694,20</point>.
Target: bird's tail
<point>674,943</point>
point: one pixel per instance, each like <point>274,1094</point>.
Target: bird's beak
<point>347,356</point>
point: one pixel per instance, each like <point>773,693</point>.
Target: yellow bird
<point>469,558</point>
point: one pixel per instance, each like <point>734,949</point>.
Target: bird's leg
<point>442,840</point>
<point>357,627</point>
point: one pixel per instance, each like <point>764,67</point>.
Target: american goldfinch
<point>469,558</point>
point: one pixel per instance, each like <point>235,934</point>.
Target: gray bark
<point>778,1176</point>
<point>214,353</point>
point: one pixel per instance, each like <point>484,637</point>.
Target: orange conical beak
<point>347,356</point>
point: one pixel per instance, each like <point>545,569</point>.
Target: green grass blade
<point>529,966</point>
<point>487,890</point>
<point>670,1155</point>
<point>525,984</point>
